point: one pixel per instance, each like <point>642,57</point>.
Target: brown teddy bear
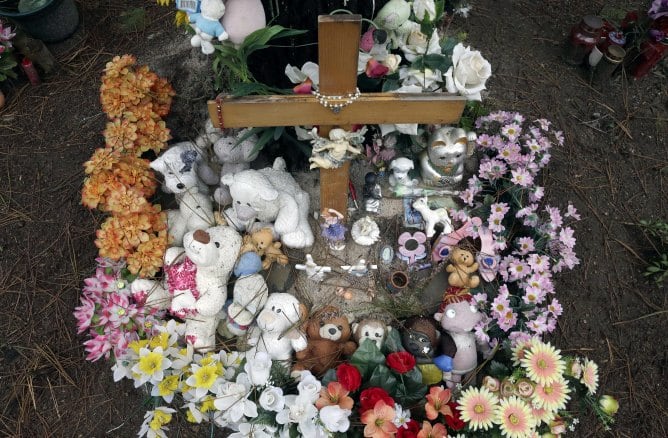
<point>328,332</point>
<point>262,242</point>
<point>461,268</point>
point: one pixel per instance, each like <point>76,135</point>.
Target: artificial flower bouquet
<point>118,180</point>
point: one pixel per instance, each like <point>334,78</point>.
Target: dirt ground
<point>613,167</point>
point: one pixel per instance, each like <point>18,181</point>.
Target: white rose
<point>309,387</point>
<point>468,73</point>
<point>272,399</point>
<point>335,419</point>
<point>392,62</point>
<point>417,45</point>
<point>422,7</point>
<point>258,368</point>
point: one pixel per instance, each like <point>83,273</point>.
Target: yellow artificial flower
<point>151,362</point>
<point>205,376</point>
<point>163,2</point>
<point>181,19</point>
<point>161,340</point>
<point>160,418</point>
<point>168,385</point>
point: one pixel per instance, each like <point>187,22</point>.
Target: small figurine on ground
<point>332,228</point>
<point>331,153</point>
<point>371,193</point>
<point>313,271</point>
<point>442,164</point>
<point>399,177</point>
<point>207,25</point>
<point>432,217</point>
<point>462,266</point>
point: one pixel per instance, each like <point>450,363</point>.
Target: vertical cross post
<point>338,49</point>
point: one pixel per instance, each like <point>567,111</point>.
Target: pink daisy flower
<point>555,307</point>
<point>507,320</point>
<point>543,363</point>
<point>494,223</point>
<point>500,305</point>
<point>518,269</point>
<point>514,418</point>
<point>552,396</point>
<point>521,177</point>
<point>477,407</point>
<point>525,245</point>
<point>499,208</point>
<point>566,237</point>
<point>536,194</point>
<point>590,376</point>
<point>539,263</point>
<point>511,131</point>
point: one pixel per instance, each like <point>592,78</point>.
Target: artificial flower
<point>409,430</point>
<point>454,421</point>
<point>258,368</point>
<point>436,431</point>
<point>155,421</point>
<point>401,416</point>
<point>306,78</point>
<point>334,394</point>
<point>271,399</point>
<point>378,420</point>
<point>437,402</point>
<point>514,418</point>
<point>468,74</point>
<point>309,386</point>
<point>543,363</point>
<point>477,407</point>
<point>370,396</point>
<point>552,396</point>
<point>609,404</point>
<point>424,10</point>
<point>590,376</point>
<point>151,366</point>
<point>348,376</point>
<point>400,361</point>
<point>335,418</point>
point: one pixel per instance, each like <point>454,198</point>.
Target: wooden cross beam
<point>338,50</point>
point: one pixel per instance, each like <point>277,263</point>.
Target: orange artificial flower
<point>120,134</point>
<point>147,259</point>
<point>435,431</point>
<point>102,159</point>
<point>379,421</point>
<point>437,402</point>
<point>125,200</point>
<point>110,239</point>
<point>334,394</point>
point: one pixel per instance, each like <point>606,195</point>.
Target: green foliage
<point>366,358</point>
<point>657,269</point>
<point>472,111</point>
<point>7,64</point>
<point>393,342</point>
<point>235,59</point>
<point>133,20</point>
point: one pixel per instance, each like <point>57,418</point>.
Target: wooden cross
<point>338,50</point>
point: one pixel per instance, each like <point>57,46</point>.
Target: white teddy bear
<point>277,330</point>
<point>179,165</point>
<point>270,195</point>
<point>249,296</point>
<point>195,286</point>
<point>233,157</point>
<point>207,25</point>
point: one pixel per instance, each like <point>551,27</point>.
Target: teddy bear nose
<point>180,186</point>
<point>201,236</point>
<point>332,331</point>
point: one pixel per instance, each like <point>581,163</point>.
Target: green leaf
<point>383,378</point>
<point>409,392</point>
<point>447,45</point>
<point>264,139</point>
<point>278,132</point>
<point>437,62</point>
<point>367,353</point>
<point>393,342</point>
<point>498,370</point>
<point>330,376</point>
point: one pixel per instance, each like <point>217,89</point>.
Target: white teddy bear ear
<point>354,326</point>
<point>388,329</point>
<point>158,165</point>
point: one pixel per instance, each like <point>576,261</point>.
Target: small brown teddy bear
<point>461,268</point>
<point>262,242</point>
<point>328,332</point>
